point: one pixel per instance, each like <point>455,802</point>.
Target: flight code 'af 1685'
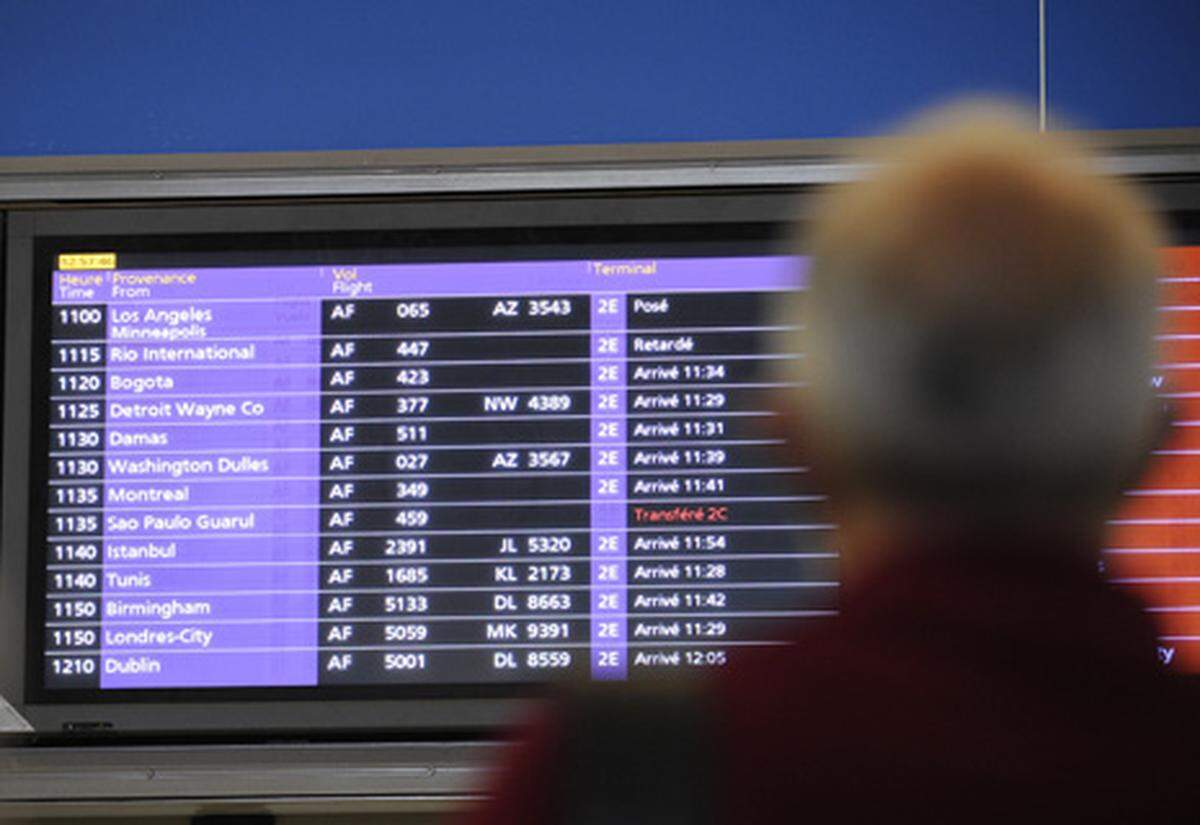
<point>302,476</point>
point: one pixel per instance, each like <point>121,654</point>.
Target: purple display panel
<point>233,408</point>
<point>267,285</point>
<point>247,350</point>
<point>254,667</point>
<point>272,447</point>
<point>208,493</point>
<point>608,624</point>
<point>155,553</point>
<point>201,321</point>
<point>134,383</point>
<point>211,498</point>
<point>287,577</point>
<point>126,609</point>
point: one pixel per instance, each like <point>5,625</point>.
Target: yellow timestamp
<point>87,260</point>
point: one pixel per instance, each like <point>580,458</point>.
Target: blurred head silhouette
<point>978,330</point>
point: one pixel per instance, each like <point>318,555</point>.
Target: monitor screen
<point>458,473</point>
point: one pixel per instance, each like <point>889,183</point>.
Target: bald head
<point>979,324</point>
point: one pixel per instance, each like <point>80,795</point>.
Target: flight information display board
<point>447,473</point>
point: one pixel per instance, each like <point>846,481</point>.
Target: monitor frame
<point>459,719</point>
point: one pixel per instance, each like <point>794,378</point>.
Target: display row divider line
<point>114,303</point>
<point>418,334</point>
<point>1163,491</point>
<point>408,391</point>
<point>698,557</point>
<point>407,475</point>
<point>697,500</point>
<point>416,648</point>
<point>1150,551</point>
<point>468,617</point>
<point>340,421</point>
<point>150,453</point>
<point>535,445</point>
<point>406,446</point>
<point>407,533</point>
<point>418,362</point>
<point>420,647</point>
<point>714,385</point>
<point>411,590</point>
<point>499,418</point>
<point>1148,521</point>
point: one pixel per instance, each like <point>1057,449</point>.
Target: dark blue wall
<point>1125,64</point>
<point>138,76</point>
